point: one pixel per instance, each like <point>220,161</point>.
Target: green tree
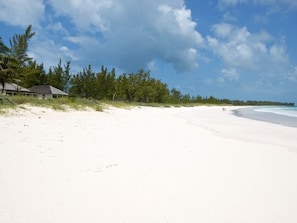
<point>66,76</point>
<point>185,98</point>
<point>110,83</point>
<point>76,86</point>
<point>35,75</point>
<point>7,65</point>
<point>59,76</point>
<point>55,76</point>
<point>83,84</point>
<point>161,92</point>
<point>175,95</point>
<point>18,50</point>
<point>3,48</point>
<point>6,72</point>
<point>101,85</point>
<point>121,87</point>
<point>140,87</point>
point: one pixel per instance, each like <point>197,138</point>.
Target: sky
<point>235,49</point>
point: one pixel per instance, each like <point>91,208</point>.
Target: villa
<point>47,91</point>
<point>14,89</point>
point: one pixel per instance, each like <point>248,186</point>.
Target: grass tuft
<point>60,104</point>
<point>70,103</point>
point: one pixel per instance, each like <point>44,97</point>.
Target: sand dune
<point>148,165</point>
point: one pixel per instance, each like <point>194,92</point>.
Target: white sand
<point>146,165</point>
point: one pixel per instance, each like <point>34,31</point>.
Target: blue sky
<point>236,49</point>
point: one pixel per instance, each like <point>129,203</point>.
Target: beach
<point>146,164</point>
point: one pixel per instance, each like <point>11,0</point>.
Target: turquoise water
<point>281,115</point>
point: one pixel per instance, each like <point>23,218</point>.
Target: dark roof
<point>13,87</point>
<point>47,89</point>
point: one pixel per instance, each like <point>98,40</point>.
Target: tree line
<point>16,66</point>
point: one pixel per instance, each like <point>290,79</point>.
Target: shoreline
<point>146,164</point>
<point>266,116</point>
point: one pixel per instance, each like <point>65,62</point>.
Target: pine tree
<point>59,76</point>
<point>35,75</point>
<point>18,51</point>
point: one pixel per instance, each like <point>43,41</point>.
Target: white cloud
<point>68,53</point>
<point>49,52</point>
<point>222,30</point>
<point>278,54</point>
<point>228,17</point>
<point>238,48</point>
<point>131,35</point>
<point>87,15</point>
<point>57,28</point>
<point>231,74</point>
<point>125,34</point>
<point>292,76</point>
<point>251,56</point>
<point>22,13</point>
<point>151,65</point>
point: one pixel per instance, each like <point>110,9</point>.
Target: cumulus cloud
<point>87,15</point>
<point>22,13</point>
<point>128,34</point>
<point>131,35</point>
<point>125,33</point>
<point>242,49</point>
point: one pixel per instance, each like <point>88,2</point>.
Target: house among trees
<point>14,89</point>
<point>47,91</point>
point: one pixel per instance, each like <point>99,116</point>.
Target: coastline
<point>279,119</point>
<point>144,164</point>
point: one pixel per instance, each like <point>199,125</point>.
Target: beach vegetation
<point>61,104</point>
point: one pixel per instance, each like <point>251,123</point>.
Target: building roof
<point>47,89</point>
<point>14,87</point>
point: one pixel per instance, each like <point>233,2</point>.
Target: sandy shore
<point>146,165</point>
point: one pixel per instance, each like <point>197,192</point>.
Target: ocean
<point>281,115</point>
